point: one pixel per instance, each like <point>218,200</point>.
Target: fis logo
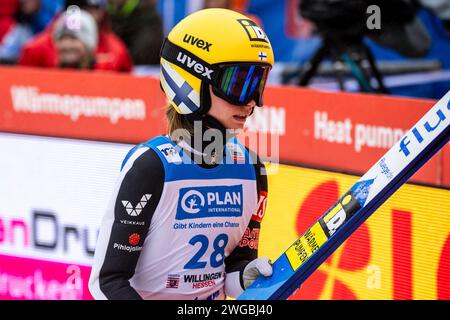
<point>170,153</point>
<point>205,45</point>
<point>203,202</point>
<point>420,132</point>
<point>254,32</point>
<point>192,64</point>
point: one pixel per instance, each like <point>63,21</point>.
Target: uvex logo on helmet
<point>202,44</point>
<point>194,65</point>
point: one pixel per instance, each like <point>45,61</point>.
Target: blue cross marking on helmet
<point>181,93</point>
<point>262,56</point>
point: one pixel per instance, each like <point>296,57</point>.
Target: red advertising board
<point>347,132</point>
<point>86,105</point>
<point>339,131</point>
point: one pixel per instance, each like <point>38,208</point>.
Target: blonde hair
<point>178,124</point>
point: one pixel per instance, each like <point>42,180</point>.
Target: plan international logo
<point>211,201</point>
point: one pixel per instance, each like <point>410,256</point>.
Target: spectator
<point>31,18</point>
<point>76,41</point>
<point>37,14</point>
<point>111,53</point>
<point>8,9</point>
<point>138,24</point>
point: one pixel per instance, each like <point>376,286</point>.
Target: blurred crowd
<point>109,35</point>
<point>112,35</point>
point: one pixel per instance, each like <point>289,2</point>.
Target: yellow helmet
<point>217,47</point>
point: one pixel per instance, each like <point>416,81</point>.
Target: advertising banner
<point>356,205</point>
<point>85,105</point>
<point>339,131</point>
<point>54,192</point>
<point>401,252</point>
<point>344,132</point>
